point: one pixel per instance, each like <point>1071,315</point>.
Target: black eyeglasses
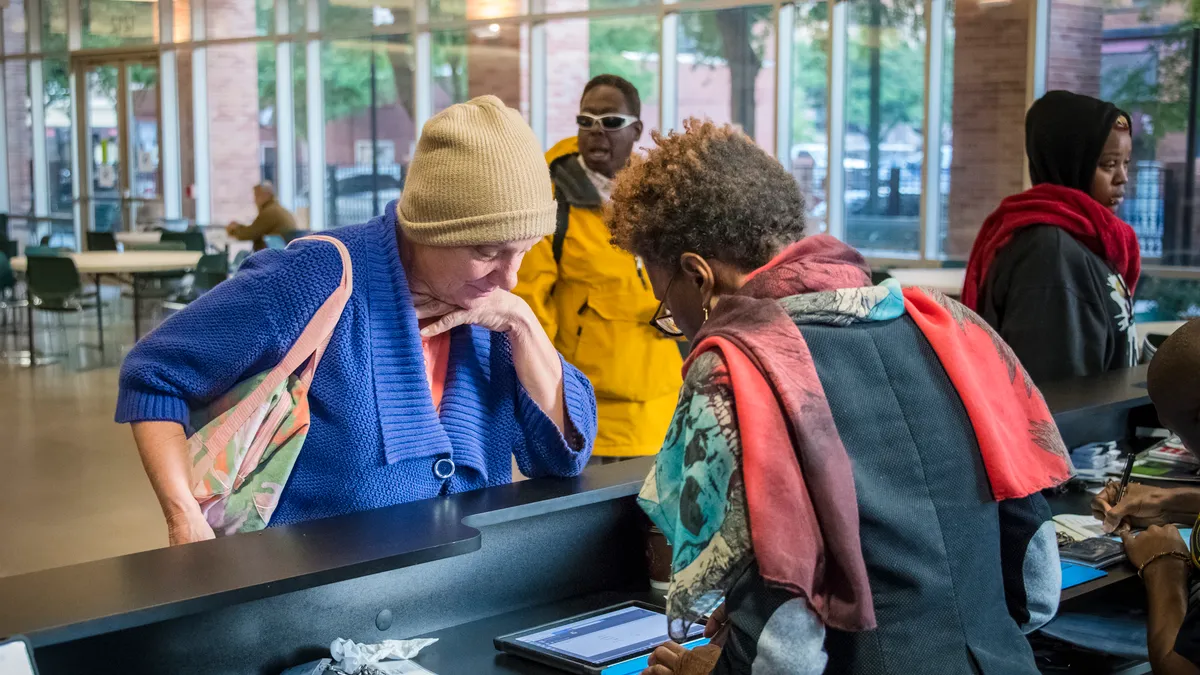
<point>663,321</point>
<point>610,122</point>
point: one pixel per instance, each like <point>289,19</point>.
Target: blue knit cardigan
<point>375,434</point>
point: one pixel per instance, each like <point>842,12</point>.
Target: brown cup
<point>658,560</point>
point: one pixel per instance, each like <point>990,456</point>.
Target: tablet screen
<point>15,659</point>
<point>606,637</point>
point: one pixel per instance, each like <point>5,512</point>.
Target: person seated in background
<point>436,374</point>
<point>840,549</point>
<point>1160,554</point>
<point>1053,269</point>
<point>272,218</point>
<point>593,298</point>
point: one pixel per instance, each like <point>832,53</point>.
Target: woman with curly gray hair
<point>847,462</point>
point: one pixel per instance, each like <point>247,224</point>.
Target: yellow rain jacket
<point>595,302</point>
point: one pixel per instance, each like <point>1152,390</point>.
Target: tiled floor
<point>73,487</point>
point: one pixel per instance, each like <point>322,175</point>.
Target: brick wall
<point>16,97</point>
<point>232,114</point>
<point>988,162</point>
<point>569,69</point>
<point>494,64</point>
<point>494,59</point>
<point>1073,58</point>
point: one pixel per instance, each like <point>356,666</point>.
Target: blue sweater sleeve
<point>241,327</point>
<point>547,451</point>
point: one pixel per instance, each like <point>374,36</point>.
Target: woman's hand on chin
<point>498,311</point>
<point>429,307</point>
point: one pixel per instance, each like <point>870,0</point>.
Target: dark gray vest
<point>929,526</point>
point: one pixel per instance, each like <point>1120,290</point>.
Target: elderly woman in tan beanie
<point>436,375</point>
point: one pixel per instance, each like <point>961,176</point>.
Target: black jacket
<point>1063,310</point>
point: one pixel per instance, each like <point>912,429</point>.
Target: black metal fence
<point>354,193</point>
<point>1145,206</point>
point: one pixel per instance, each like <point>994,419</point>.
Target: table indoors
<point>124,266</point>
<point>463,568</point>
<point>152,237</point>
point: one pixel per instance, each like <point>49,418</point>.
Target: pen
<point>1125,478</point>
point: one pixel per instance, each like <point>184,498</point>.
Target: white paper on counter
<point>351,657</point>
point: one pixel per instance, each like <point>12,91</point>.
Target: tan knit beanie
<point>478,177</point>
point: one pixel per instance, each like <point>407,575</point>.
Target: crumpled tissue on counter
<point>389,657</point>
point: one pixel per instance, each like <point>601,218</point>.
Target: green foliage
<point>810,87</point>
<point>902,70</point>
<point>620,46</point>
<point>1176,298</point>
<point>449,55</point>
<point>902,82</point>
<point>1157,85</point>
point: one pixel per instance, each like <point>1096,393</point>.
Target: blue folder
<point>1073,575</point>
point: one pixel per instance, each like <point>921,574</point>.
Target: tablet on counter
<point>16,657</point>
<point>617,640</point>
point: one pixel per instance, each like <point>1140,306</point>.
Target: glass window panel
<point>118,23</point>
<point>485,59</point>
<point>810,90</point>
<point>885,85</point>
<point>1166,299</point>
<point>368,104</point>
<point>54,26</point>
<point>240,18</point>
<point>555,6</point>
<point>943,224</point>
<point>297,16</point>
<point>300,110</point>
<point>187,128</point>
<point>1147,74</point>
<point>356,18</point>
<point>584,48</point>
<point>726,70</point>
<point>444,10</point>
<point>58,136</point>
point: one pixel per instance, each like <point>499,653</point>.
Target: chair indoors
<point>55,287</point>
<point>12,304</point>
<point>192,240</point>
<point>157,287</point>
<point>239,259</point>
<point>101,241</point>
<point>212,269</point>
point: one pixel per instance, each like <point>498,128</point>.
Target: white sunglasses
<point>609,122</point>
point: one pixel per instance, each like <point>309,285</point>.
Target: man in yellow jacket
<point>594,299</point>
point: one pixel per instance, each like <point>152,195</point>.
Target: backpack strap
<point>560,229</point>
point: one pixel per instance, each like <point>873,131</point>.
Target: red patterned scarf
<point>800,495</point>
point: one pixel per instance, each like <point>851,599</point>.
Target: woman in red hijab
<point>1053,268</point>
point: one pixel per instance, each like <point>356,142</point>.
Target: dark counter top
<point>69,603</point>
<point>63,605</point>
<point>1079,397</point>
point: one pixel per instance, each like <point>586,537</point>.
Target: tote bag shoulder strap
<point>311,343</point>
